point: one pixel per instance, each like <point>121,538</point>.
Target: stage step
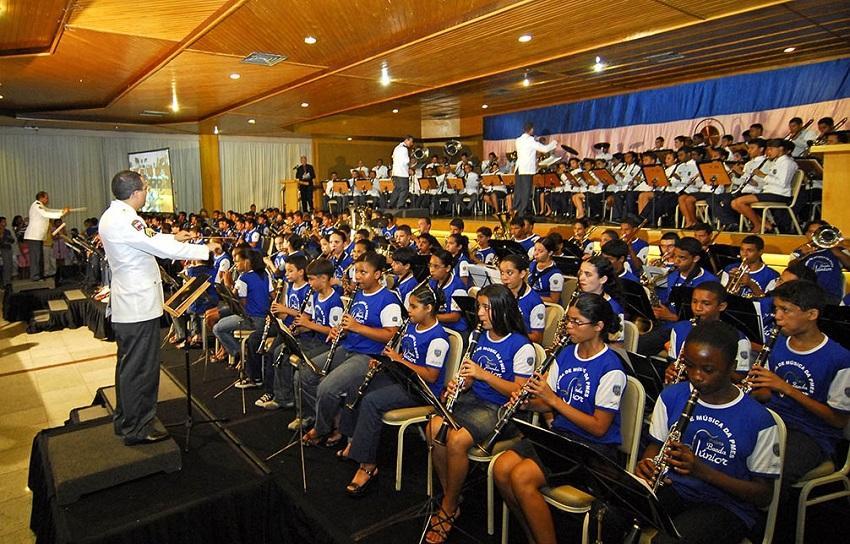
<point>30,285</point>
<point>57,305</point>
<point>87,413</point>
<point>168,390</point>
<point>74,295</point>
<point>41,316</point>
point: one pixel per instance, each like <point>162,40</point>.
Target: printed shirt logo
<point>574,385</point>
<point>797,375</point>
<point>713,442</point>
<point>617,390</point>
<point>360,312</point>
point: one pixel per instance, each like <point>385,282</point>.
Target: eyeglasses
<point>577,323</point>
<point>485,307</point>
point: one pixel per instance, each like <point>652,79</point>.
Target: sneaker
<point>287,404</point>
<point>248,383</point>
<point>304,423</point>
<point>267,401</point>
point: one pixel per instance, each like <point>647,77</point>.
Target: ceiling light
<point>175,106</point>
<point>789,49</point>
<point>349,138</point>
<point>215,129</point>
<point>525,81</point>
<point>234,76</point>
<point>305,104</point>
<point>599,65</point>
<point>525,38</point>
<point>1,97</point>
<point>310,40</point>
<point>484,106</point>
<point>395,110</point>
<point>252,121</point>
<point>385,76</point>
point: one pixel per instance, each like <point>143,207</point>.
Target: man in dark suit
<point>305,174</point>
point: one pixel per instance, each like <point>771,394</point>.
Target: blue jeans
<point>323,396</point>
<point>224,329</point>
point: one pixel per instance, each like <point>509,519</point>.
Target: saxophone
<point>440,437</point>
<point>746,384</point>
<point>376,367</point>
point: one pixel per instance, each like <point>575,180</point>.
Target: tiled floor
<point>42,376</point>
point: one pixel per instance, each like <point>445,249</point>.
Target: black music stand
<point>468,307</point>
<point>834,322</point>
<point>567,264</point>
<point>636,301</point>
<point>578,465</point>
<point>483,275</point>
<point>741,313</point>
<point>724,255</point>
<point>680,296</point>
<point>656,177</point>
<point>572,249</point>
<point>503,248</point>
<point>649,371</point>
<point>236,308</point>
<point>176,306</point>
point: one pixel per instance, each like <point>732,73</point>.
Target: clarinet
<point>677,431</point>
<point>440,437</point>
<point>373,370</point>
<point>278,289</point>
<point>327,366</point>
<point>746,384</point>
<point>508,410</point>
<point>679,364</point>
<point>741,187</point>
<point>301,308</point>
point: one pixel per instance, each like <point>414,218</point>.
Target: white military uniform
<point>36,232</point>
<point>136,299</point>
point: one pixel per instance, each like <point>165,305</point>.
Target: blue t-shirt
<point>222,264</point>
<point>461,268</point>
<point>545,280</point>
<point>641,248</point>
<point>629,276</point>
<point>486,255</point>
<point>327,312</point>
<point>294,297</point>
<point>675,279</point>
<point>828,269</point>
<point>507,358</point>
<point>341,265</point>
<point>255,289</point>
<point>533,310</point>
<point>253,237</point>
<point>680,332</point>
<point>588,384</point>
<point>452,287</point>
<point>389,232</point>
<point>620,314</point>
<point>427,348</point>
<point>823,374</point>
<point>279,261</point>
<point>377,310</point>
<point>405,287</point>
<point>210,297</point>
<point>739,439</point>
<point>528,244</point>
<point>764,276</point>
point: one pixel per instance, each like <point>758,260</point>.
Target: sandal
<point>341,456</point>
<point>310,441</point>
<point>334,441</point>
<point>357,490</point>
<point>440,527</point>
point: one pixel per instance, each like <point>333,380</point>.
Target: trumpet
<point>442,432</point>
<point>746,385</point>
<point>335,343</point>
<point>822,138</point>
<point>376,367</point>
<point>583,240</point>
<point>735,285</point>
<point>827,238</point>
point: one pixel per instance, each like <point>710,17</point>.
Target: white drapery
<point>251,169</point>
<point>76,166</point>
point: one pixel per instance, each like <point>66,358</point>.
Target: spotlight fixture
<point>395,110</point>
<point>525,38</point>
<point>305,104</point>
<point>235,76</point>
<point>789,49</point>
<point>1,97</point>
<point>215,129</point>
<point>310,40</point>
<point>599,65</point>
<point>484,106</point>
<point>525,81</point>
<point>385,76</point>
<point>252,121</point>
<point>349,138</point>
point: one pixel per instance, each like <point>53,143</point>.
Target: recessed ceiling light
<point>385,76</point>
<point>599,65</point>
<point>305,104</point>
<point>310,40</point>
<point>349,138</point>
<point>175,107</point>
<point>252,121</point>
<point>215,129</point>
<point>525,38</point>
<point>116,127</point>
<point>484,106</point>
<point>1,97</point>
<point>395,110</point>
<point>525,81</point>
<point>234,75</point>
<point>789,49</point>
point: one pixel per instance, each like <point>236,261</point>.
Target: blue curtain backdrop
<point>729,95</point>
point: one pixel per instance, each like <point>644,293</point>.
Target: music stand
<point>387,185</point>
<point>714,174</point>
<point>468,307</point>
<point>649,373</point>
<point>456,183</point>
<point>363,184</point>
<point>491,180</point>
<point>427,184</point>
<point>602,174</point>
<point>567,264</point>
<point>503,248</point>
<point>571,462</point>
<point>509,180</point>
<point>742,314</point>
<point>834,322</point>
<point>572,249</point>
<point>341,187</point>
<point>176,306</point>
<point>811,167</point>
<point>680,296</point>
<point>636,301</point>
<point>656,177</point>
<point>483,275</point>
<point>724,255</point>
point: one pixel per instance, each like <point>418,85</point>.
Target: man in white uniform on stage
<point>136,301</point>
<point>526,150</point>
<point>40,216</point>
<point>401,177</point>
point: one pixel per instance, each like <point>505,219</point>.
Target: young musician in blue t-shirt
<point>423,349</point>
<point>402,263</point>
<point>758,278</point>
<point>583,388</point>
<point>596,275</point>
<point>458,246</point>
<point>514,271</point>
<point>544,276</point>
<point>372,319</point>
<point>444,278</point>
<point>806,381</point>
<point>484,254</point>
<point>498,366</point>
<point>828,263</point>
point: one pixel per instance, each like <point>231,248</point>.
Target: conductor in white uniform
<point>40,216</point>
<point>136,301</point>
<point>526,150</point>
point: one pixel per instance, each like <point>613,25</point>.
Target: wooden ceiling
<point>103,63</point>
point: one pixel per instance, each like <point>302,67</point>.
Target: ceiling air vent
<point>263,59</point>
<point>661,58</point>
<point>154,113</point>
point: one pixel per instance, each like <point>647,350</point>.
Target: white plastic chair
<point>765,207</point>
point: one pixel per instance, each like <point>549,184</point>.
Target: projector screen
<point>155,166</point>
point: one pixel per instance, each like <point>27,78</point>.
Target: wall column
<point>210,172</point>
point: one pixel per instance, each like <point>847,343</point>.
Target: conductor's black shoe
<point>153,435</point>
